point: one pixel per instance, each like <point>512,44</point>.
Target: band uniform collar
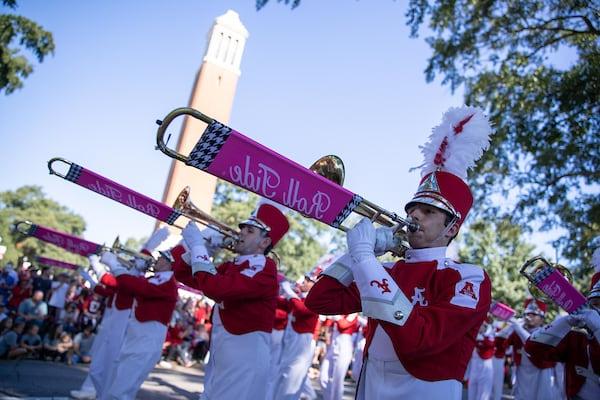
<point>427,254</point>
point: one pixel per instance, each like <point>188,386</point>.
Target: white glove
<point>192,235</point>
<point>384,240</point>
<point>592,320</point>
<point>213,240</point>
<point>110,259</point>
<point>99,270</point>
<point>361,241</point>
<point>519,330</point>
<point>287,290</point>
<point>86,275</point>
<point>156,239</point>
<point>140,264</point>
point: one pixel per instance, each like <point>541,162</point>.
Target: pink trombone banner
<point>229,155</point>
<point>559,289</point>
<point>119,193</point>
<point>501,311</point>
<point>56,263</point>
<point>68,242</point>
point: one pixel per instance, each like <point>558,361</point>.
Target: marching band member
<point>339,355</point>
<point>357,359</point>
<point>425,311</point>
<point>282,311</point>
<point>246,292</point>
<point>298,341</point>
<point>498,360</point>
<point>146,329</point>
<point>534,380</point>
<point>575,341</point>
<point>96,370</point>
<point>120,316</point>
<point>480,373</point>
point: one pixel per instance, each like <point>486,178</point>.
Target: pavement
<point>45,380</point>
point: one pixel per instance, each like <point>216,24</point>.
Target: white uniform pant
<point>238,367</point>
<point>357,361</point>
<point>112,348</point>
<point>293,368</point>
<point>481,374</point>
<point>498,379</point>
<point>139,354</point>
<point>389,380</point>
<point>98,353</point>
<point>276,349</point>
<point>534,383</point>
<point>339,356</point>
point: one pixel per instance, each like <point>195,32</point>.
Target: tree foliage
<point>30,203</point>
<point>18,32</point>
<point>261,3</point>
<point>305,242</point>
<point>546,150</point>
<point>499,248</point>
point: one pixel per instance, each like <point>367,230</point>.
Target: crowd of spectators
<point>49,314</point>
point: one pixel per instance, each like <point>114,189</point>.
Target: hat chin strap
<point>447,228</point>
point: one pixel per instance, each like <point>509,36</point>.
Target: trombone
<point>330,167</point>
<point>184,205</point>
<point>535,269</point>
<point>125,256</point>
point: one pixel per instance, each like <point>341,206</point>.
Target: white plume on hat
<point>457,142</point>
<point>596,260</point>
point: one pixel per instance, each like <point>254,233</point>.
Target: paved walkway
<point>43,380</point>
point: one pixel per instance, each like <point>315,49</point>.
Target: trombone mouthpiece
<point>413,226</point>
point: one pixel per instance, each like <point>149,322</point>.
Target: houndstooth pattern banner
<point>173,217</point>
<point>208,146</point>
<point>74,173</point>
<point>352,204</point>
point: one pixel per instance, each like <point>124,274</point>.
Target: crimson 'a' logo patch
<point>468,290</point>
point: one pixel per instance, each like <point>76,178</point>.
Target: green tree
<point>545,153</point>
<point>30,203</point>
<point>305,242</point>
<point>546,149</point>
<point>500,249</point>
<point>261,3</point>
<point>19,32</point>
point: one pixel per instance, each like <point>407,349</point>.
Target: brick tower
<point>212,94</point>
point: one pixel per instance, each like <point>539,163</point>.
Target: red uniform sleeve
<point>541,352</point>
<point>139,286</point>
<point>432,329</point>
<point>344,323</point>
<point>329,297</point>
<point>104,290</point>
<point>182,271</point>
<point>230,284</point>
<point>109,280</point>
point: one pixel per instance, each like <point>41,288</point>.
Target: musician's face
<point>252,241</point>
<point>595,303</point>
<point>533,320</point>
<point>431,222</point>
<point>162,264</point>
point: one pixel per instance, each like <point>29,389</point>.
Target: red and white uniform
<point>281,320</point>
<point>481,369</point>
<point>581,354</point>
<point>155,300</point>
<point>535,379</point>
<point>97,371</point>
<point>498,368</point>
<point>245,291</point>
<point>359,349</point>
<point>424,315</point>
<point>298,350</point>
<point>120,313</point>
<point>339,356</point>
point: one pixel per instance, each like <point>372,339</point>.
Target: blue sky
<point>338,77</point>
